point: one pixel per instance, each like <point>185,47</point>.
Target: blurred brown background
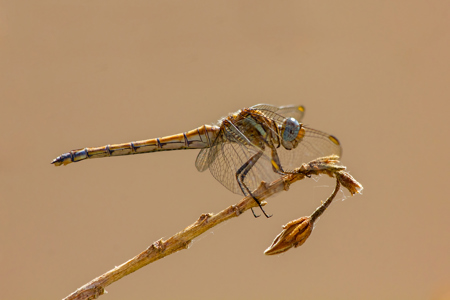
<point>88,73</point>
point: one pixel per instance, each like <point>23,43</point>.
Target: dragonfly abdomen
<point>198,138</point>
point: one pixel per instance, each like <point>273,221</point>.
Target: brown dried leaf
<point>349,182</point>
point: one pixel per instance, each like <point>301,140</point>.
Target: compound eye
<point>290,129</point>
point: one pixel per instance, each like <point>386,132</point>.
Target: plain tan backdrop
<point>88,73</point>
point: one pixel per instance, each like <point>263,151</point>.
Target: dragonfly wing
<point>313,145</point>
<point>202,162</point>
<point>230,157</point>
<point>292,111</point>
<point>280,113</point>
<point>207,155</point>
<point>230,151</point>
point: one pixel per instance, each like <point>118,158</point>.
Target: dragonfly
<point>255,144</point>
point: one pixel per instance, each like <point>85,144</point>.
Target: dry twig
<point>181,240</point>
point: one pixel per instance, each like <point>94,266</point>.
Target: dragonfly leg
<point>240,177</point>
<point>276,164</point>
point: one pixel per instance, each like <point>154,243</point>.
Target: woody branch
<point>182,239</point>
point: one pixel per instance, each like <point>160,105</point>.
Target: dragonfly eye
<point>290,129</point>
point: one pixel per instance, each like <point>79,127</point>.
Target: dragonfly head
<point>290,130</point>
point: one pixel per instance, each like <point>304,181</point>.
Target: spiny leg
<point>245,191</point>
<point>240,176</point>
<point>276,164</point>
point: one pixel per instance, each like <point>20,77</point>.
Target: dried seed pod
<point>294,234</point>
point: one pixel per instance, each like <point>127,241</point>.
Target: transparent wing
<point>273,112</point>
<point>230,158</point>
<point>292,111</point>
<point>230,152</point>
<point>207,156</point>
<point>202,161</point>
<point>313,145</point>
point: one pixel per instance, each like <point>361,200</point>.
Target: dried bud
<point>294,234</point>
<point>349,182</point>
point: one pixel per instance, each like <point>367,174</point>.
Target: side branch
<point>181,240</point>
